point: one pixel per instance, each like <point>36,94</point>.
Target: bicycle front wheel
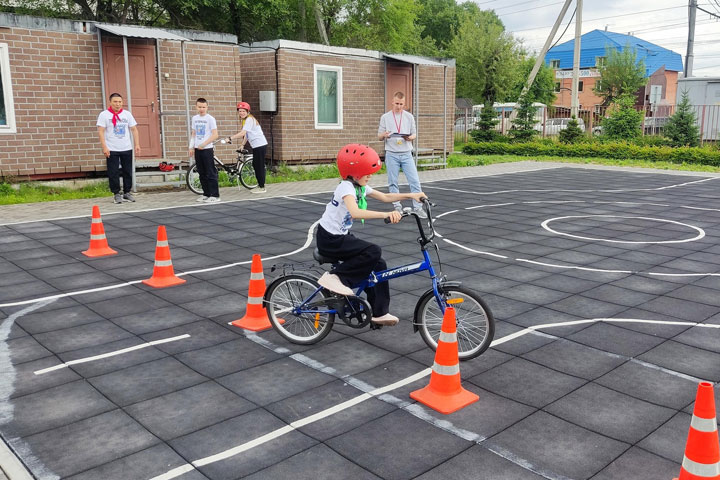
<point>284,300</point>
<point>475,322</point>
<point>193,180</point>
<point>247,174</point>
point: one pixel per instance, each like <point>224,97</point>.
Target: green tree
<point>542,89</point>
<point>624,123</point>
<point>681,128</point>
<point>620,74</point>
<point>485,131</point>
<point>524,124</point>
<point>573,133</point>
<point>485,56</point>
<point>439,19</point>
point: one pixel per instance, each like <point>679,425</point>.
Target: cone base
<point>99,252</point>
<point>254,324</point>
<point>164,281</point>
<point>444,403</point>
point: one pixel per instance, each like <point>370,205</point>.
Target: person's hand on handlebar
<point>393,217</point>
<point>418,196</point>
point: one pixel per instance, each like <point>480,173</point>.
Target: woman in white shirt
<point>251,132</point>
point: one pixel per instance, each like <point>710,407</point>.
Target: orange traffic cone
<point>255,318</point>
<point>98,242</point>
<point>444,393</point>
<point>163,273</point>
<point>702,452</point>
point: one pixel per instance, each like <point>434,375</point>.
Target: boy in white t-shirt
<point>114,128</point>
<point>204,133</point>
<point>356,164</point>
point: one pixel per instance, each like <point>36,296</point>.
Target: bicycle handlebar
<point>427,206</point>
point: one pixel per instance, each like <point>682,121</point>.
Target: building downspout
<point>102,68</point>
<point>129,105</point>
<point>160,100</point>
<point>445,115</point>
<point>185,86</point>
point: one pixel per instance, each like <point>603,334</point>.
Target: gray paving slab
<point>148,463</point>
<point>145,381</point>
<point>24,381</point>
<point>614,414</point>
<point>478,462</point>
<point>679,357</point>
<point>238,431</point>
<point>557,446</point>
<point>650,384</point>
<point>575,359</point>
<point>226,358</point>
<point>526,382</point>
<point>185,411</point>
<point>615,338</point>
<point>101,366</point>
<point>25,349</point>
<point>273,381</point>
<point>97,440</point>
<point>316,463</point>
<point>393,451</point>
<point>81,336</point>
<point>639,464</point>
<point>669,440</point>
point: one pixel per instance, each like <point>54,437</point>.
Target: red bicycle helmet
<point>243,105</point>
<point>355,160</point>
<point>166,167</point>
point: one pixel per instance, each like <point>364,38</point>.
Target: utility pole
<point>692,10</point>
<point>575,102</point>
<point>541,56</point>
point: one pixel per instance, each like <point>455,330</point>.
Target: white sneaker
<point>212,199</point>
<point>420,212</point>
<point>398,207</point>
<point>202,199</point>
<point>333,283</point>
<point>388,320</point>
<point>258,190</point>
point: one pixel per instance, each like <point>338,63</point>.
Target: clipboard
<point>399,134</point>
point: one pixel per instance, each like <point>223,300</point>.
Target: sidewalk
<point>31,212</point>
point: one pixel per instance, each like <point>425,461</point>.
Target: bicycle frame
<point>390,273</point>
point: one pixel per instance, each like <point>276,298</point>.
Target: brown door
<point>143,89</point>
<point>399,79</point>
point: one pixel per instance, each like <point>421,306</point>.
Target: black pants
<point>207,171</point>
<point>259,164</point>
<point>359,258</point>
<point>119,162</point>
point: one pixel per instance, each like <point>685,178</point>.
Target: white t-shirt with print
<point>337,219</point>
<point>203,125</point>
<point>117,137</point>
<point>254,132</point>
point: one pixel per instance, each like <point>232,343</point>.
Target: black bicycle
<point>239,173</point>
<point>303,312</point>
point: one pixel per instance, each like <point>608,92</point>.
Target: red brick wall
<point>56,90</point>
<point>57,96</point>
<point>296,138</point>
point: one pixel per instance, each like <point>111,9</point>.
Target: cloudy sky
<point>663,22</point>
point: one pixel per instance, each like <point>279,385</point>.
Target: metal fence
<point>553,119</point>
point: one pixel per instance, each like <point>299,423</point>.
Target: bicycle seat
<point>322,258</point>
<point>242,150</point>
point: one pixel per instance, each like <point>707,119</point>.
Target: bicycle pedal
<point>375,326</point>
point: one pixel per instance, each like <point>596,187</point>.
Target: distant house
<point>313,99</point>
<point>56,75</point>
<point>661,68</point>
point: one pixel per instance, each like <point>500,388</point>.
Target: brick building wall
<point>296,140</point>
<point>57,95</point>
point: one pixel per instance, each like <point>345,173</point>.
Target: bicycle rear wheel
<point>193,180</point>
<point>288,293</point>
<point>474,321</point>
<point>247,174</point>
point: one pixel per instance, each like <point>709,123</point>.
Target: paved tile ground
<point>616,270</point>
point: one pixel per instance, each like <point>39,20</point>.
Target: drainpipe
<point>185,85</point>
<point>129,105</point>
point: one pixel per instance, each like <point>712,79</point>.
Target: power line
<point>611,16</point>
<point>566,28</point>
<point>529,9</point>
<point>516,4</point>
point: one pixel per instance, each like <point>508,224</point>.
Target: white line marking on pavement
<point>700,235</point>
<point>111,354</point>
<point>308,241</point>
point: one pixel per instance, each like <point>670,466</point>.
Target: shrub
<point>681,128</point>
<point>524,124</point>
<point>571,134</point>
<point>624,123</point>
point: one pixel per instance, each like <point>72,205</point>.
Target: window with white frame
<point>7,110</point>
<point>328,99</point>
<point>554,63</point>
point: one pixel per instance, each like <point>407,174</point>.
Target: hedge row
<point>620,151</point>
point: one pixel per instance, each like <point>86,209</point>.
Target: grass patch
<point>30,192</point>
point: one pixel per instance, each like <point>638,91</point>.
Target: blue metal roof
<point>593,45</point>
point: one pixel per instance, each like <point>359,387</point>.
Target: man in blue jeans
<point>397,128</point>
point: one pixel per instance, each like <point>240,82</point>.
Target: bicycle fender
<point>429,293</point>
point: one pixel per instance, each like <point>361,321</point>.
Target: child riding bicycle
<point>356,164</point>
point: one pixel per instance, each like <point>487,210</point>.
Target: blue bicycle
<point>303,312</point>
